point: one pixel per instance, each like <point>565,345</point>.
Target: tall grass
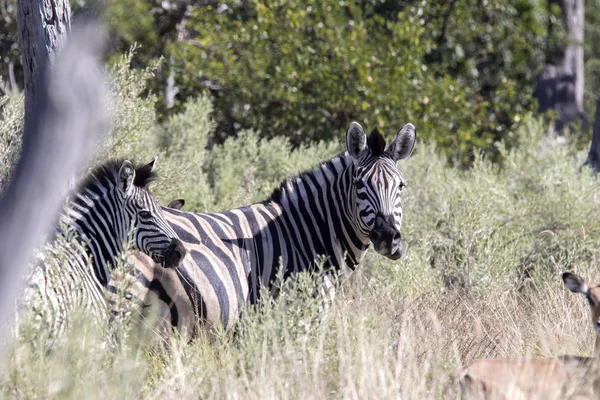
<point>480,278</point>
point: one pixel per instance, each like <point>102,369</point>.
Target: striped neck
<point>325,198</point>
<point>97,214</point>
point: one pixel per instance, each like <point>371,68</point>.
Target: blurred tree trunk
<point>67,120</point>
<point>560,87</point>
<point>43,27</point>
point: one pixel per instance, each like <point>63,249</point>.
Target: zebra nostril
<point>397,237</point>
<point>178,252</point>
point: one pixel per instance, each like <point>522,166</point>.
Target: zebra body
<point>328,215</point>
<point>112,201</point>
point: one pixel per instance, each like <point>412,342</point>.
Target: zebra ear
<point>177,204</point>
<point>126,177</point>
<point>356,140</point>
<point>152,164</point>
<point>404,143</point>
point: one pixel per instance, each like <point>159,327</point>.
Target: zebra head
<point>377,183</point>
<point>113,201</point>
<point>151,232</point>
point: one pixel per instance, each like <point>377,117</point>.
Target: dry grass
<point>369,346</point>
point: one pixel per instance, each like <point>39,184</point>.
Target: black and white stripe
<point>329,214</point>
<point>112,202</point>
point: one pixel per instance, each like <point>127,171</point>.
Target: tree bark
<point>43,27</point>
<point>68,116</point>
<point>573,17</point>
<point>560,87</point>
<point>593,159</point>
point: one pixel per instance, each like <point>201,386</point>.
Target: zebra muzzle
<point>386,238</point>
<point>174,254</point>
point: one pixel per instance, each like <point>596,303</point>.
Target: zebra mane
<point>375,142</point>
<point>278,192</point>
<point>109,170</point>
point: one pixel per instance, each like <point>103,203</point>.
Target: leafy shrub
<point>185,139</point>
<point>179,144</point>
<point>305,70</point>
<point>247,169</point>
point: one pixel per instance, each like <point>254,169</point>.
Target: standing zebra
<point>112,201</point>
<point>330,214</point>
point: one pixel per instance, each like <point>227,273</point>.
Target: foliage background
<point>462,71</point>
<point>486,244</point>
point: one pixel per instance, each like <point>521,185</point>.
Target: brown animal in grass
<point>564,377</point>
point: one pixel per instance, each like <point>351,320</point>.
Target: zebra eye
<point>145,214</point>
<point>402,185</point>
<point>359,183</point>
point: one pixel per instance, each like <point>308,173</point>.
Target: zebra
<point>112,201</point>
<point>329,214</point>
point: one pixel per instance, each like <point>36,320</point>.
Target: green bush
<point>305,70</point>
<point>463,71</point>
<point>179,144</point>
<point>185,139</point>
<point>247,169</point>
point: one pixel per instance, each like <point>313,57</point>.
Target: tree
<point>43,27</point>
<point>593,159</point>
<point>304,70</point>
<point>560,86</point>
